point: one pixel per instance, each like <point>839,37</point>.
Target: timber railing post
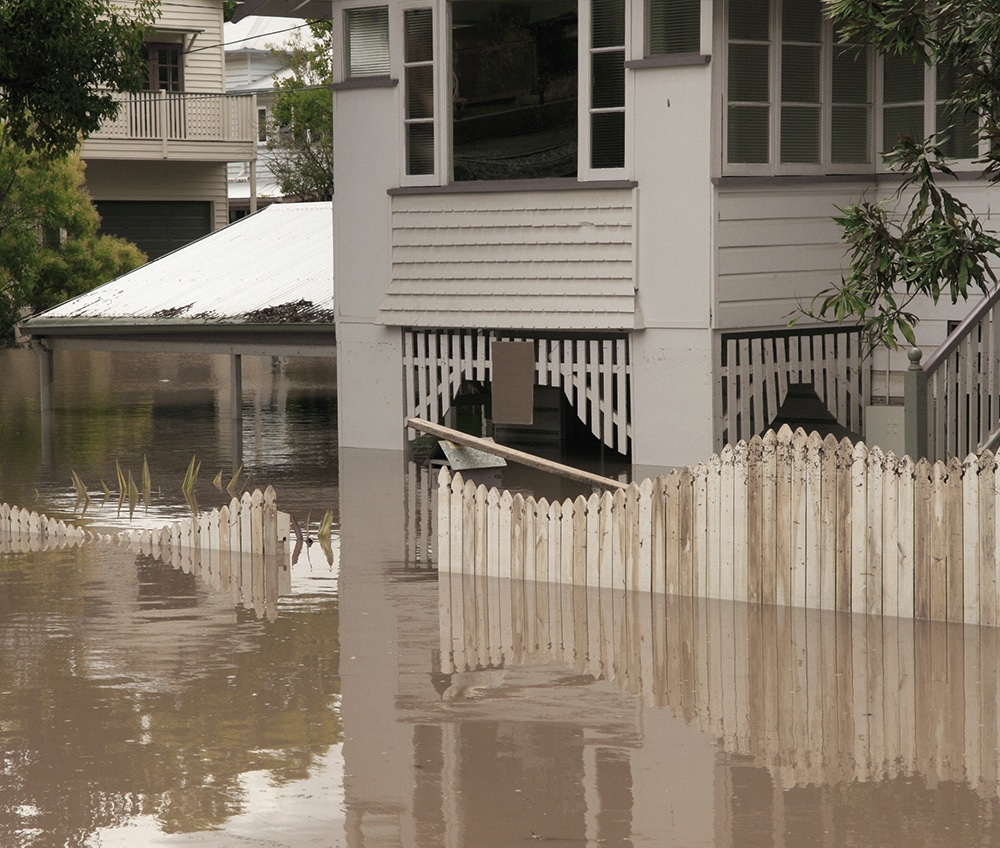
<point>915,407</point>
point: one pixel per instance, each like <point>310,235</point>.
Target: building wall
<point>204,66</point>
<point>155,181</point>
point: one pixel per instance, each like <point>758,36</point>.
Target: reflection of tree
<point>90,740</point>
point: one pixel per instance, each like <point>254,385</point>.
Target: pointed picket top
<point>770,441</point>
<point>859,451</point>
<point>506,499</point>
<point>726,457</point>
<point>785,434</point>
<point>876,456</point>
<point>444,478</point>
<point>922,468</point>
<point>955,466</point>
<point>972,463</point>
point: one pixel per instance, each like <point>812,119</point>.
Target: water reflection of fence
<point>241,547</point>
<point>786,519</point>
<point>816,697</point>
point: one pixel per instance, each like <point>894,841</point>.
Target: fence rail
<point>788,519</point>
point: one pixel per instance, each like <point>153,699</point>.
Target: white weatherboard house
<point>643,188</point>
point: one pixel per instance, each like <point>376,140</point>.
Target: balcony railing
<point>168,116</point>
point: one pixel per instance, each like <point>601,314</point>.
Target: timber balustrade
<point>789,519</point>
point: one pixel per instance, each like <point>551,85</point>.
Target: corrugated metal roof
<point>275,267</point>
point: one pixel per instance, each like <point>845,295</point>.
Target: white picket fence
<point>252,525</point>
<point>818,698</point>
<point>789,519</point>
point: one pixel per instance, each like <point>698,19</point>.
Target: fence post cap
<point>915,354</point>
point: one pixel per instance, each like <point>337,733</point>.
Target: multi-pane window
<point>797,99</point>
<point>418,90</point>
<point>367,47</point>
<point>673,26</point>
<point>907,86</point>
<point>165,66</point>
<point>607,84</point>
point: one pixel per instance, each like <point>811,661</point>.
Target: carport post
<point>46,372</point>
<point>236,407</point>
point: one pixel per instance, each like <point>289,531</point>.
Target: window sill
<point>668,60</point>
<point>364,82</point>
<point>496,186</point>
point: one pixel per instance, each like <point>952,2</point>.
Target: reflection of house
<point>644,190</point>
<point>158,172</point>
<point>253,63</point>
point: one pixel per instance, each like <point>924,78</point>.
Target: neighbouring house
<point>157,173</point>
<point>256,57</point>
<point>643,191</point>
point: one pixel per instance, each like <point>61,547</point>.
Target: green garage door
<point>157,226</point>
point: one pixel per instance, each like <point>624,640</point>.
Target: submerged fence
<point>789,519</point>
<point>250,525</point>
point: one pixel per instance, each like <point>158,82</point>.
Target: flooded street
<point>372,705</point>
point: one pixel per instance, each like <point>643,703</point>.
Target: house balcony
<point>178,126</point>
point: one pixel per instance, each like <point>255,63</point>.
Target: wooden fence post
<point>915,408</point>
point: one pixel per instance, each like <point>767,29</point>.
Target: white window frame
<point>397,36</point>
<point>774,166</point>
<point>930,115</point>
<point>584,171</point>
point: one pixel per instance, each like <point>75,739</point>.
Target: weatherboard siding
<point>538,259</point>
<point>776,248</point>
<point>204,65</point>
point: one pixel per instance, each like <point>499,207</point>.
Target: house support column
<point>236,408</point>
<point>370,413</point>
<point>672,399</point>
<point>46,376</point>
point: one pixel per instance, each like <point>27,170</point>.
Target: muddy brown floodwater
<point>371,704</point>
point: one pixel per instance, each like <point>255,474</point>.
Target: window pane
<point>607,140</point>
<point>749,20</point>
<point>800,74</point>
<point>420,149</point>
<point>748,134</point>
<point>850,75</point>
<point>608,80</point>
<point>850,141</point>
<point>748,77</point>
<point>801,20</point>
<point>906,121</point>
<point>673,26</point>
<point>419,35</point>
<point>962,140</point>
<point>608,23</point>
<point>420,92</point>
<point>800,134</point>
<point>903,80</point>
<point>368,42</point>
<point>514,88</point>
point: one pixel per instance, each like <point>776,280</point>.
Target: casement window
<point>366,50</point>
<point>672,26</point>
<point>797,101</point>
<point>262,125</point>
<point>418,91</point>
<point>914,105</point>
<point>607,84</point>
<point>165,66</point>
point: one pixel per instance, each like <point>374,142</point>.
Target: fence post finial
<point>915,407</point>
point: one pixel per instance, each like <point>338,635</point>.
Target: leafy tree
<point>301,120</point>
<point>228,7</point>
<point>60,61</point>
<point>922,241</point>
<point>49,246</point>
